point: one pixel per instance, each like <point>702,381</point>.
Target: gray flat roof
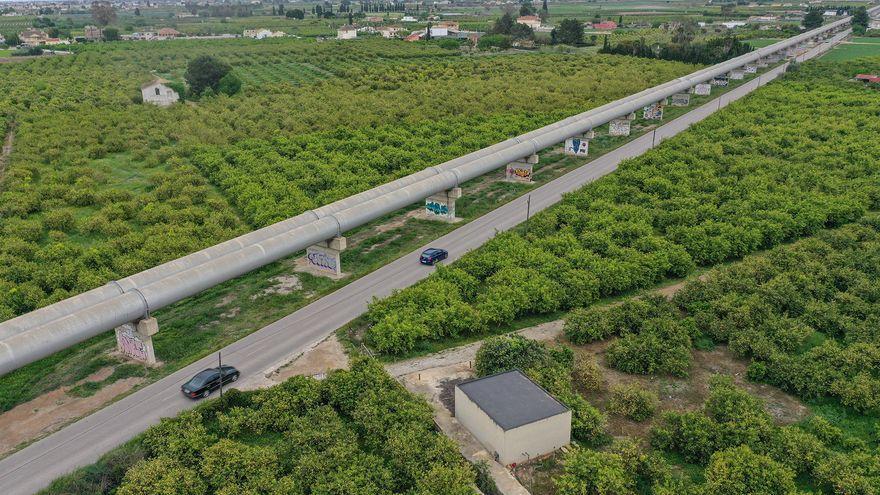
<point>511,399</point>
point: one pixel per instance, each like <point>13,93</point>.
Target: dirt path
<point>50,412</point>
<point>7,149</point>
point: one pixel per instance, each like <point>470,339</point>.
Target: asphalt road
<point>84,441</point>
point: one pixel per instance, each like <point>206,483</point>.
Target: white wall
<point>166,95</point>
<point>536,439</point>
<point>479,423</point>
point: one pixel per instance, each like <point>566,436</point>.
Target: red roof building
<point>869,78</point>
<point>605,25</point>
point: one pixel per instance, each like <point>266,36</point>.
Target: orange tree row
<point>100,187</point>
<point>739,182</point>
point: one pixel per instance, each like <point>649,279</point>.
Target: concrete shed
<point>512,416</point>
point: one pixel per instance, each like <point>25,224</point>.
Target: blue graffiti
<point>437,208</point>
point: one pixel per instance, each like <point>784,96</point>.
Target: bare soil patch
<point>689,393</point>
<point>52,411</point>
<point>7,150</point>
<point>327,356</point>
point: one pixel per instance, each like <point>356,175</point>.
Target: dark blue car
<point>433,255</point>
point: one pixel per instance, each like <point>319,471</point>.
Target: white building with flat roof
<point>512,416</point>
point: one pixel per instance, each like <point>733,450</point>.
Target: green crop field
<point>858,48</point>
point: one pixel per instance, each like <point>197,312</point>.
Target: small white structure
<point>514,418</point>
<point>439,32</point>
<point>157,93</point>
<point>347,32</point>
<point>408,18</point>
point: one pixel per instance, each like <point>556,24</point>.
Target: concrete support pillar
<point>653,111</point>
<point>619,127</point>
<point>750,69</point>
<point>325,257</point>
<point>680,100</point>
<point>631,116</point>
<point>441,206</point>
<point>578,145</point>
<point>703,89</point>
<point>762,62</point>
<point>720,81</point>
<point>521,170</point>
<point>736,74</point>
<point>135,340</point>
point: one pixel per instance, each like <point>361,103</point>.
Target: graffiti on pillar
<point>737,74</point>
<point>680,100</point>
<point>322,259</point>
<point>653,112</point>
<point>703,89</point>
<point>619,127</point>
<point>719,81</point>
<point>577,146</point>
<point>436,208</point>
<point>520,172</point>
<point>129,343</point>
<point>751,69</point>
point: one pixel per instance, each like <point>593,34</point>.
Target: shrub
<point>633,401</point>
<point>587,375</point>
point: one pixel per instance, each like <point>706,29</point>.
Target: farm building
<point>531,21</point>
<point>93,33</point>
<point>390,31</point>
<point>512,416</point>
<point>157,93</point>
<point>347,32</point>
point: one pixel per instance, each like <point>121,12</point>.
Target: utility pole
<point>654,138</point>
<point>220,365</point>
<point>528,211</point>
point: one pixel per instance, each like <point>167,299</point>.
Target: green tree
<point>161,476</point>
<point>229,84</point>
<point>588,472</point>
<point>295,14</point>
<point>111,34</point>
<point>570,32</point>
<point>739,471</point>
<point>205,72</point>
<point>103,12</point>
<point>813,19</point>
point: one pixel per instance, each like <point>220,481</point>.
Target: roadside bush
<point>633,401</point>
<point>587,375</point>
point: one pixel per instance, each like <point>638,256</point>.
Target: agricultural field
<point>180,171</point>
<point>357,431</point>
<point>736,183</point>
<point>94,175</point>
<point>855,48</point>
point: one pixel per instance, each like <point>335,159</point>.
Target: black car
<point>433,255</point>
<point>208,381</point>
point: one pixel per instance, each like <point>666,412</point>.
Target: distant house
<point>531,21</point>
<point>157,93</point>
<point>439,32</point>
<point>33,37</point>
<point>868,78</point>
<point>93,33</point>
<point>415,36</point>
<point>375,18</point>
<point>347,32</point>
<point>390,31</point>
<point>166,33</point>
<point>762,19</point>
<point>259,34</point>
<point>408,18</point>
<point>450,25</point>
<point>605,26</point>
<point>830,13</point>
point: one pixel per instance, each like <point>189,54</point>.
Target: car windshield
<point>202,378</point>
